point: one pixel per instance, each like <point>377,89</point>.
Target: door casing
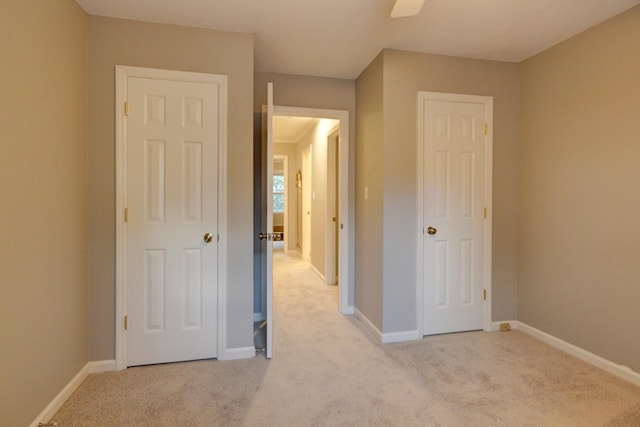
<point>122,73</point>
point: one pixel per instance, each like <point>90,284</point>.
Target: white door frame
<point>423,97</point>
<point>122,73</point>
<point>345,285</point>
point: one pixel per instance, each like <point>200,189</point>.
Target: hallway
<point>327,370</point>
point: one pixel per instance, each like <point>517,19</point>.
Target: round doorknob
<point>431,231</point>
<point>208,238</point>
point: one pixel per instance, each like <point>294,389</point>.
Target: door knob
<point>208,237</point>
<point>431,231</point>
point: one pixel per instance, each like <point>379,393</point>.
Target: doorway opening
<point>311,147</point>
<point>310,192</point>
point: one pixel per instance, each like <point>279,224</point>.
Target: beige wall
<point>369,174</point>
<point>402,75</point>
<point>43,198</point>
<point>579,235</point>
<point>405,74</point>
<point>317,137</point>
<point>122,42</point>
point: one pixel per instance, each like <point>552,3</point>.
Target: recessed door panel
<point>193,288</point>
<point>192,178</point>
<point>154,165</point>
<point>155,295</point>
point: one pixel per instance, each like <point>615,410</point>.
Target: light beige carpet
<point>327,371</point>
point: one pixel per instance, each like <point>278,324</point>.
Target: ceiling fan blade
<point>405,8</point>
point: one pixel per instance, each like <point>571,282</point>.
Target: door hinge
<point>485,213</point>
<point>126,322</point>
<point>126,214</point>
<point>126,108</point>
<point>486,128</point>
<point>484,294</point>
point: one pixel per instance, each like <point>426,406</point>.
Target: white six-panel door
<point>172,205</point>
<point>454,138</point>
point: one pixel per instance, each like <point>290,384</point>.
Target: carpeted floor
<point>327,371</point>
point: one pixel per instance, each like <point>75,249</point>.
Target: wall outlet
<point>504,327</point>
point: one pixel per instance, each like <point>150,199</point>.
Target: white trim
<point>315,270</point>
<point>238,353</point>
<point>488,104</point>
<point>368,325</point>
<point>100,366</point>
<point>59,400</point>
<point>122,73</point>
<point>620,371</point>
<point>346,286</point>
<point>391,337</point>
<point>350,310</point>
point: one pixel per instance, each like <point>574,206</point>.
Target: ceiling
<point>339,38</point>
<point>291,129</point>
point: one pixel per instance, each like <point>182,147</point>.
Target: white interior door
<point>172,225</point>
<point>455,202</point>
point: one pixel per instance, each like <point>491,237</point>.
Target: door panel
<point>172,158</point>
<point>454,183</point>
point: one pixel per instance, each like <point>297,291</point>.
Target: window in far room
<point>278,193</point>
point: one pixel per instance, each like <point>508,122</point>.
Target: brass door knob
<point>431,231</point>
<point>208,237</point>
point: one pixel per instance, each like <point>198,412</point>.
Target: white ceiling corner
<point>338,38</point>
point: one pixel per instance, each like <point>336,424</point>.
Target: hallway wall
<point>317,138</point>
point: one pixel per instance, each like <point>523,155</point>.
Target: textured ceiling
<point>338,38</point>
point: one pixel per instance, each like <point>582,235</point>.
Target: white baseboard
<point>369,326</point>
<point>61,397</point>
<point>620,371</point>
<point>349,310</point>
<point>388,337</point>
<point>57,402</point>
<point>238,353</point>
<point>259,317</point>
<point>320,275</point>
<point>391,337</point>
